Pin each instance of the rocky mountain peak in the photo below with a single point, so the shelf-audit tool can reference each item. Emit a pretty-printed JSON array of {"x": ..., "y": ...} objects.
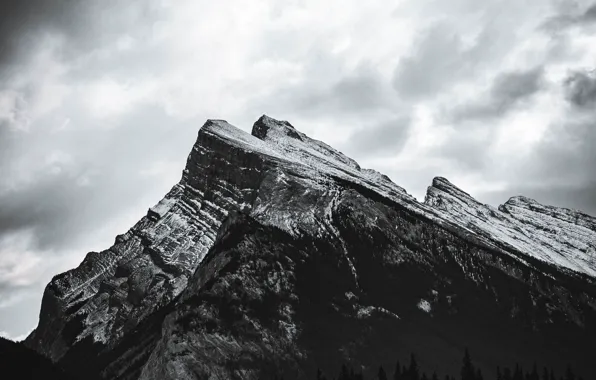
[
  {"x": 266, "y": 125},
  {"x": 555, "y": 235},
  {"x": 275, "y": 248},
  {"x": 443, "y": 184},
  {"x": 521, "y": 201},
  {"x": 442, "y": 193}
]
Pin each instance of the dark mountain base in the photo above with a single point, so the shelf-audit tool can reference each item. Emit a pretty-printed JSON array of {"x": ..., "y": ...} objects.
[
  {"x": 501, "y": 316},
  {"x": 21, "y": 363}
]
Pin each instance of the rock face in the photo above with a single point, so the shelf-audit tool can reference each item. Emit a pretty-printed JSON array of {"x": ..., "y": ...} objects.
[
  {"x": 559, "y": 236},
  {"x": 276, "y": 254}
]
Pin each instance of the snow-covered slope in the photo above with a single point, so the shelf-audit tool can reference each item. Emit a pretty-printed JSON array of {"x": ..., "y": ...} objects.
[{"x": 558, "y": 236}]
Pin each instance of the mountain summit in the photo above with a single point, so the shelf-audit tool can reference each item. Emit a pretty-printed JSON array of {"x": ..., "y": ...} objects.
[{"x": 277, "y": 254}]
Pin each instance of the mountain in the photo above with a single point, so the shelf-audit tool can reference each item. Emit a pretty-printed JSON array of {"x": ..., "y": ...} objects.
[
  {"x": 277, "y": 254},
  {"x": 20, "y": 362},
  {"x": 558, "y": 236}
]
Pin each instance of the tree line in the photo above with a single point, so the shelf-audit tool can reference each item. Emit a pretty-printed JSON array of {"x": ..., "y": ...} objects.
[{"x": 468, "y": 372}]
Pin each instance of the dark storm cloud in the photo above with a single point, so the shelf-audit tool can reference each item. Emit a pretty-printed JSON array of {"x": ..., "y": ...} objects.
[
  {"x": 68, "y": 199},
  {"x": 361, "y": 92},
  {"x": 385, "y": 139},
  {"x": 580, "y": 89},
  {"x": 475, "y": 121},
  {"x": 560, "y": 169},
  {"x": 590, "y": 14},
  {"x": 84, "y": 25},
  {"x": 20, "y": 20},
  {"x": 508, "y": 91},
  {"x": 571, "y": 16},
  {"x": 567, "y": 152},
  {"x": 465, "y": 152},
  {"x": 40, "y": 207},
  {"x": 581, "y": 198},
  {"x": 439, "y": 59},
  {"x": 434, "y": 63},
  {"x": 512, "y": 86}
]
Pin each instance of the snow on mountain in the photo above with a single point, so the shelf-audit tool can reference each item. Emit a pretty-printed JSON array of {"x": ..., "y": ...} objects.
[
  {"x": 279, "y": 178},
  {"x": 562, "y": 237}
]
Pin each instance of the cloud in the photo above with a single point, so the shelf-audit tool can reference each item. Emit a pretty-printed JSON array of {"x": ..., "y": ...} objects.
[
  {"x": 331, "y": 89},
  {"x": 84, "y": 26},
  {"x": 572, "y": 14},
  {"x": 508, "y": 91},
  {"x": 581, "y": 89},
  {"x": 581, "y": 198},
  {"x": 438, "y": 58},
  {"x": 384, "y": 139}
]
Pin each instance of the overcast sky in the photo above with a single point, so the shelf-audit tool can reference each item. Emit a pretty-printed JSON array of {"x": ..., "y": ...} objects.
[{"x": 101, "y": 101}]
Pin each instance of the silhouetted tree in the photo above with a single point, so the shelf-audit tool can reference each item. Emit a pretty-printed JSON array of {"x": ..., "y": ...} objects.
[
  {"x": 468, "y": 372},
  {"x": 343, "y": 373},
  {"x": 320, "y": 375},
  {"x": 413, "y": 370},
  {"x": 534, "y": 374},
  {"x": 507, "y": 374},
  {"x": 467, "y": 369},
  {"x": 479, "y": 374},
  {"x": 359, "y": 376},
  {"x": 569, "y": 375},
  {"x": 518, "y": 374},
  {"x": 552, "y": 375},
  {"x": 397, "y": 372}
]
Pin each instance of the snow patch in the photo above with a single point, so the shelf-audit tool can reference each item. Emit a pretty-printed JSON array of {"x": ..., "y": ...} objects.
[{"x": 424, "y": 305}]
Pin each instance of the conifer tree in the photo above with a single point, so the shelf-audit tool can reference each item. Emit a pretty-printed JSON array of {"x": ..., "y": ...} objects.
[
  {"x": 405, "y": 375},
  {"x": 413, "y": 370},
  {"x": 397, "y": 372},
  {"x": 507, "y": 374},
  {"x": 518, "y": 374},
  {"x": 534, "y": 374},
  {"x": 434, "y": 376},
  {"x": 569, "y": 375},
  {"x": 382, "y": 375},
  {"x": 320, "y": 375},
  {"x": 499, "y": 374},
  {"x": 479, "y": 374},
  {"x": 344, "y": 374},
  {"x": 359, "y": 376},
  {"x": 467, "y": 370}
]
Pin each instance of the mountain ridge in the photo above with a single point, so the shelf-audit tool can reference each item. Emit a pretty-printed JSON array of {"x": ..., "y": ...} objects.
[{"x": 280, "y": 178}]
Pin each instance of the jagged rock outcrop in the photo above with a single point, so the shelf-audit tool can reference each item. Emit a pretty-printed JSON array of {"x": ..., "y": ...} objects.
[
  {"x": 278, "y": 254},
  {"x": 558, "y": 236}
]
